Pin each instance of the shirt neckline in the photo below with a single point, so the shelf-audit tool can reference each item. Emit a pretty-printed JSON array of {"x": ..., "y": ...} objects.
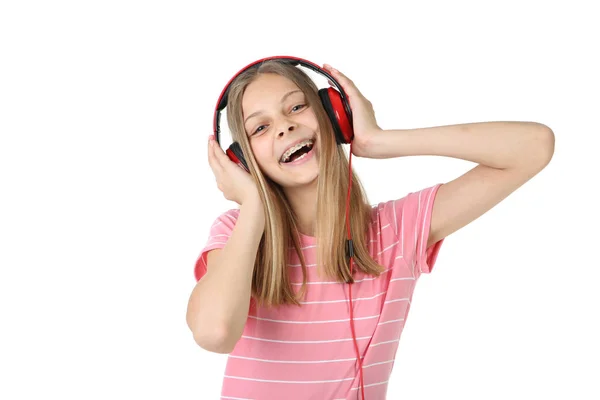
[{"x": 306, "y": 239}]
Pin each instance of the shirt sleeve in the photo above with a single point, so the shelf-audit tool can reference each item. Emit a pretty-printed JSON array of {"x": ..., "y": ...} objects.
[
  {"x": 219, "y": 234},
  {"x": 410, "y": 218}
]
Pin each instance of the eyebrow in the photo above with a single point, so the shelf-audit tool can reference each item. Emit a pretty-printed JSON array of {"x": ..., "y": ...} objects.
[{"x": 285, "y": 96}]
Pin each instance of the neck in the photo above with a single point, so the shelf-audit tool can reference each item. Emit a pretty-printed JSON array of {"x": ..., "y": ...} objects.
[{"x": 303, "y": 201}]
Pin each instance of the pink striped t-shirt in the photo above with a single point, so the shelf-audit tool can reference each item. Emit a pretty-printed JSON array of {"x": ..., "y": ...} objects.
[{"x": 307, "y": 352}]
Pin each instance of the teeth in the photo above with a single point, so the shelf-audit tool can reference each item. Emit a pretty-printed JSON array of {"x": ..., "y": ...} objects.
[{"x": 291, "y": 150}]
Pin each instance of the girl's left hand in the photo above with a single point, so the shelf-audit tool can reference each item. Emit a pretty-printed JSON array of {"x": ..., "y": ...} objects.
[{"x": 363, "y": 116}]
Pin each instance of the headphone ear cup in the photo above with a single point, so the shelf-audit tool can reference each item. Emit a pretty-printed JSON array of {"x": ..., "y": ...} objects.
[
  {"x": 334, "y": 107},
  {"x": 235, "y": 154}
]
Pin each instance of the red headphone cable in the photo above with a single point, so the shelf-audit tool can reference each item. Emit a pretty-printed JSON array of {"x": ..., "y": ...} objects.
[{"x": 350, "y": 249}]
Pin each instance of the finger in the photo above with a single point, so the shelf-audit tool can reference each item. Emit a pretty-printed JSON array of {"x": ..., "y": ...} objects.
[
  {"x": 347, "y": 84},
  {"x": 327, "y": 68},
  {"x": 220, "y": 154},
  {"x": 213, "y": 161},
  {"x": 224, "y": 161}
]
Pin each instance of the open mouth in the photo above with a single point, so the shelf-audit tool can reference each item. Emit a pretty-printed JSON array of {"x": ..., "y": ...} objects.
[{"x": 298, "y": 152}]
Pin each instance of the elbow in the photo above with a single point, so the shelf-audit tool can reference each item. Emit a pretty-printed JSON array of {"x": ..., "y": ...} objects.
[
  {"x": 545, "y": 144},
  {"x": 538, "y": 147},
  {"x": 216, "y": 342}
]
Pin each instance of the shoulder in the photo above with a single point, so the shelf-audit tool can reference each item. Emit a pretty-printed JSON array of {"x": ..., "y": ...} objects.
[
  {"x": 406, "y": 221},
  {"x": 406, "y": 211},
  {"x": 226, "y": 219},
  {"x": 219, "y": 234}
]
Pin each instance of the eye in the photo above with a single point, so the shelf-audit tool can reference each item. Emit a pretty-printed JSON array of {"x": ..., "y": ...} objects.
[
  {"x": 258, "y": 129},
  {"x": 299, "y": 105}
]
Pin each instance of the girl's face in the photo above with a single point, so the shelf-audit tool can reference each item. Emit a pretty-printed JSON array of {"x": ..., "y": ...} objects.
[{"x": 276, "y": 117}]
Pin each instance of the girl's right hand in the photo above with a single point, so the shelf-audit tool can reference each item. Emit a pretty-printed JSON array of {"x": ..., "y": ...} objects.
[{"x": 235, "y": 183}]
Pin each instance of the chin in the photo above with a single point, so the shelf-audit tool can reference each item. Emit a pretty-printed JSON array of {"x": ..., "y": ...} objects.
[
  {"x": 305, "y": 176},
  {"x": 301, "y": 181}
]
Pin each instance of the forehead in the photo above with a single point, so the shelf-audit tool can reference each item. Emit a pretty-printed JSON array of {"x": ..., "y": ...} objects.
[{"x": 266, "y": 90}]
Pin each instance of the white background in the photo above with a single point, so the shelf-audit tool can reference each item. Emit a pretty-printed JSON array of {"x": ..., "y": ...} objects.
[{"x": 107, "y": 196}]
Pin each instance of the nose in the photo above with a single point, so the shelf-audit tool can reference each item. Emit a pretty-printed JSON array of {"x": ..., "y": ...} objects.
[{"x": 290, "y": 127}]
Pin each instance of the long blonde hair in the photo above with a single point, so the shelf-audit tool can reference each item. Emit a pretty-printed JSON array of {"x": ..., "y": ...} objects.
[{"x": 271, "y": 284}]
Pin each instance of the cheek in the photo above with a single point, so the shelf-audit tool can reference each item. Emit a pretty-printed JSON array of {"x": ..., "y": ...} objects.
[
  {"x": 309, "y": 119},
  {"x": 261, "y": 154}
]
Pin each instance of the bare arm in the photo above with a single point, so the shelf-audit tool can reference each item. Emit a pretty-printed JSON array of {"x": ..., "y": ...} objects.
[{"x": 218, "y": 306}]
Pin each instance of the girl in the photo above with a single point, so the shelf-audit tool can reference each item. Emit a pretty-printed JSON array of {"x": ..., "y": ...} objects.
[{"x": 274, "y": 276}]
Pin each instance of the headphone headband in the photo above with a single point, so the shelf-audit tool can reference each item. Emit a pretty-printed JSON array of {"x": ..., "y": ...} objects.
[{"x": 222, "y": 101}]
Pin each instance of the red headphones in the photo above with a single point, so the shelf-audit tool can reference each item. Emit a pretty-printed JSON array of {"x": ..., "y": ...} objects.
[
  {"x": 339, "y": 112},
  {"x": 334, "y": 101}
]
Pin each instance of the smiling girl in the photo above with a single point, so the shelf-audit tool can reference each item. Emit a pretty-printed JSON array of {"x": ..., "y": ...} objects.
[{"x": 276, "y": 289}]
